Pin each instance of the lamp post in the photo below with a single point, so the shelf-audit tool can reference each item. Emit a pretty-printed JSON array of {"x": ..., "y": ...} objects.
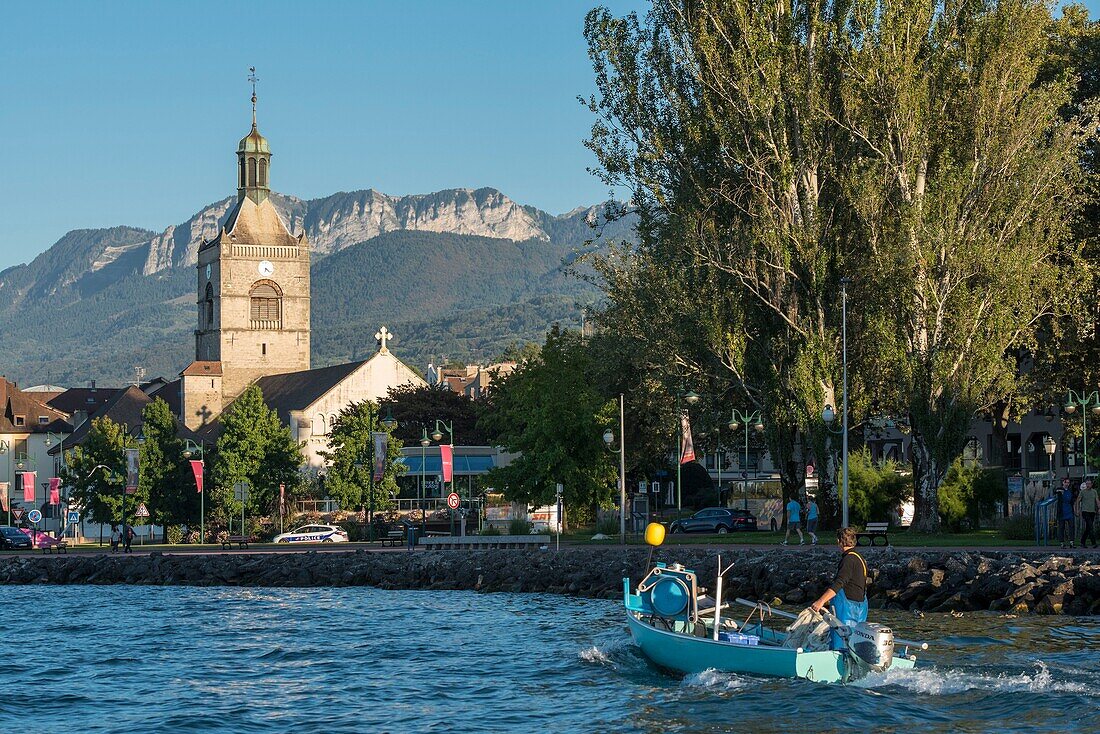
[
  {"x": 1090, "y": 401},
  {"x": 737, "y": 420},
  {"x": 422, "y": 494},
  {"x": 4, "y": 448},
  {"x": 390, "y": 424},
  {"x": 437, "y": 435},
  {"x": 844, "y": 396},
  {"x": 828, "y": 415},
  {"x": 190, "y": 448},
  {"x": 690, "y": 398},
  {"x": 1049, "y": 445},
  {"x": 609, "y": 439},
  {"x": 110, "y": 476},
  {"x": 50, "y": 436},
  {"x": 21, "y": 461}
]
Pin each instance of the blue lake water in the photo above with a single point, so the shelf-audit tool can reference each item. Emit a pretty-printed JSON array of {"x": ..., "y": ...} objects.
[{"x": 92, "y": 659}]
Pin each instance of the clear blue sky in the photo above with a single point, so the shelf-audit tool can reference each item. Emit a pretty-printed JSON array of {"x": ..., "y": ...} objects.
[{"x": 129, "y": 112}]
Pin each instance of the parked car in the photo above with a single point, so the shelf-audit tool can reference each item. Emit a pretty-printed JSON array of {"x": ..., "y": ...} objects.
[
  {"x": 314, "y": 534},
  {"x": 14, "y": 539},
  {"x": 719, "y": 520}
]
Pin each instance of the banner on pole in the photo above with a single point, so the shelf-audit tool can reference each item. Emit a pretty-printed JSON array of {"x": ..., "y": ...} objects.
[
  {"x": 687, "y": 448},
  {"x": 4, "y": 487},
  {"x": 446, "y": 457},
  {"x": 55, "y": 490},
  {"x": 131, "y": 470},
  {"x": 381, "y": 448},
  {"x": 196, "y": 469},
  {"x": 282, "y": 498},
  {"x": 29, "y": 478}
]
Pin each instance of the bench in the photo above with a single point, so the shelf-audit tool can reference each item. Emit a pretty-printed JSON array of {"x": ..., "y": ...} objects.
[
  {"x": 394, "y": 538},
  {"x": 50, "y": 544},
  {"x": 470, "y": 542},
  {"x": 241, "y": 541},
  {"x": 872, "y": 533}
]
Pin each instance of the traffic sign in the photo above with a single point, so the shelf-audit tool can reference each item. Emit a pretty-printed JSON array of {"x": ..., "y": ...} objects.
[
  {"x": 452, "y": 501},
  {"x": 73, "y": 517},
  {"x": 240, "y": 491},
  {"x": 142, "y": 511},
  {"x": 17, "y": 513},
  {"x": 34, "y": 516}
]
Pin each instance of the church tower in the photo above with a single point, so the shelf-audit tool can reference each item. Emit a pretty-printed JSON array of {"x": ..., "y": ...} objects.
[{"x": 253, "y": 294}]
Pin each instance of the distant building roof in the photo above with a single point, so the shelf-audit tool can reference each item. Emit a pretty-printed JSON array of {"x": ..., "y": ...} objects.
[
  {"x": 124, "y": 408},
  {"x": 22, "y": 412},
  {"x": 200, "y": 368},
  {"x": 86, "y": 399},
  {"x": 298, "y": 390}
]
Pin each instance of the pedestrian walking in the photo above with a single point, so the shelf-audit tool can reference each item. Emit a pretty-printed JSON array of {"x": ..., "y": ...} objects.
[
  {"x": 1087, "y": 504},
  {"x": 811, "y": 520},
  {"x": 128, "y": 539},
  {"x": 794, "y": 521},
  {"x": 1065, "y": 512},
  {"x": 114, "y": 538}
]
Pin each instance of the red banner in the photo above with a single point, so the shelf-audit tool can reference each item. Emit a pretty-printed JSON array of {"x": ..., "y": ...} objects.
[
  {"x": 55, "y": 490},
  {"x": 196, "y": 468},
  {"x": 29, "y": 478},
  {"x": 687, "y": 448},
  {"x": 446, "y": 456}
]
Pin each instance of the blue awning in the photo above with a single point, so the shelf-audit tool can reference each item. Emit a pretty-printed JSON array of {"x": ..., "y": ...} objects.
[{"x": 463, "y": 465}]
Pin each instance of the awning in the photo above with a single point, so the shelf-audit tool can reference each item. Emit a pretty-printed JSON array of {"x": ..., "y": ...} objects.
[{"x": 463, "y": 465}]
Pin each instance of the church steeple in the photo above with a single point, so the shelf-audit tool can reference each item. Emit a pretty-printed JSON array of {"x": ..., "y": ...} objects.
[{"x": 253, "y": 158}]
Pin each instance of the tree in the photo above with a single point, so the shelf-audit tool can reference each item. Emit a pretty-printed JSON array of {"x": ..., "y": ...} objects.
[
  {"x": 548, "y": 412},
  {"x": 874, "y": 489},
  {"x": 350, "y": 458},
  {"x": 95, "y": 471},
  {"x": 165, "y": 477},
  {"x": 255, "y": 448},
  {"x": 416, "y": 408}
]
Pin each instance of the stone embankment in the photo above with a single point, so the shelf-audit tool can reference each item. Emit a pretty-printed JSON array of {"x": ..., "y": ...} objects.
[{"x": 938, "y": 581}]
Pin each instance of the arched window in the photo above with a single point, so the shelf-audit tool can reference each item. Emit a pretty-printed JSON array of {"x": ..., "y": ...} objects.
[
  {"x": 208, "y": 307},
  {"x": 266, "y": 301},
  {"x": 251, "y": 171},
  {"x": 263, "y": 172},
  {"x": 319, "y": 426},
  {"x": 241, "y": 179}
]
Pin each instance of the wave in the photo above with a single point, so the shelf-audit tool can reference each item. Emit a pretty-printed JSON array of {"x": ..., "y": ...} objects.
[
  {"x": 944, "y": 682},
  {"x": 712, "y": 679}
]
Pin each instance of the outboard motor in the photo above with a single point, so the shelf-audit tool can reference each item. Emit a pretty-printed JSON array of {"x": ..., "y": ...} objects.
[{"x": 871, "y": 646}]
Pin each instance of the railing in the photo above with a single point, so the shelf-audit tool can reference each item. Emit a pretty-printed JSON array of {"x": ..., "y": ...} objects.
[
  {"x": 271, "y": 252},
  {"x": 265, "y": 325}
]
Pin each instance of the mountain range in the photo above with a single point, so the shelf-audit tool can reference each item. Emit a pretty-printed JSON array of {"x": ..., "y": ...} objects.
[{"x": 460, "y": 273}]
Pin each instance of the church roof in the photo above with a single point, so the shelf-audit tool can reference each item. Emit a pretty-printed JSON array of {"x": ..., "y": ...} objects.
[
  {"x": 298, "y": 390},
  {"x": 258, "y": 224},
  {"x": 253, "y": 142}
]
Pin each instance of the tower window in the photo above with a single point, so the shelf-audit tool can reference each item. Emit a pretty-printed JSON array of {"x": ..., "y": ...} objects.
[
  {"x": 263, "y": 349},
  {"x": 251, "y": 171},
  {"x": 208, "y": 307},
  {"x": 266, "y": 305},
  {"x": 263, "y": 172},
  {"x": 242, "y": 178}
]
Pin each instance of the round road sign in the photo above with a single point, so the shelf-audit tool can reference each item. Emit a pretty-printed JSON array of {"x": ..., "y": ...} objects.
[
  {"x": 34, "y": 516},
  {"x": 452, "y": 501}
]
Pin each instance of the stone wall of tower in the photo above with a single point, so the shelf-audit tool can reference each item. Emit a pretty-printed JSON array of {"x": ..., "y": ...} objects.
[
  {"x": 201, "y": 399},
  {"x": 208, "y": 347},
  {"x": 249, "y": 350}
]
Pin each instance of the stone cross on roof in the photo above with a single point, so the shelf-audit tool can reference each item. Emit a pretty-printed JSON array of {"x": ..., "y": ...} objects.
[{"x": 383, "y": 336}]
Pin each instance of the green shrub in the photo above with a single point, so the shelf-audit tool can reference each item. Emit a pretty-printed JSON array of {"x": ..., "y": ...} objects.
[
  {"x": 174, "y": 534},
  {"x": 490, "y": 530},
  {"x": 519, "y": 526},
  {"x": 608, "y": 526},
  {"x": 968, "y": 492},
  {"x": 1018, "y": 527},
  {"x": 874, "y": 490}
]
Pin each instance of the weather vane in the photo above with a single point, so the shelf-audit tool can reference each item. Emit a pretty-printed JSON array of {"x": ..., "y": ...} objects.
[{"x": 253, "y": 78}]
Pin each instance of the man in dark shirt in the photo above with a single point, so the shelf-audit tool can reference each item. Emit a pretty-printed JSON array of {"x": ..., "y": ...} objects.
[{"x": 848, "y": 591}]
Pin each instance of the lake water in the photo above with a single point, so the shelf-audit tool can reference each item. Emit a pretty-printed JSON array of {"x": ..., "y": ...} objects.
[{"x": 91, "y": 659}]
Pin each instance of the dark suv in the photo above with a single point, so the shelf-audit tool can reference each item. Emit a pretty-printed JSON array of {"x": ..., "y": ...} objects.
[
  {"x": 719, "y": 520},
  {"x": 14, "y": 538}
]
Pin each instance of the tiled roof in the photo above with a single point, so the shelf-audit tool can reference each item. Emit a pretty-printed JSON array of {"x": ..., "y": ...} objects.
[
  {"x": 299, "y": 390},
  {"x": 200, "y": 368},
  {"x": 87, "y": 399},
  {"x": 17, "y": 405}
]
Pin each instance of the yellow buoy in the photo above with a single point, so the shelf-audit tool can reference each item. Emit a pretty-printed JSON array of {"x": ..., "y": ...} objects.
[{"x": 655, "y": 534}]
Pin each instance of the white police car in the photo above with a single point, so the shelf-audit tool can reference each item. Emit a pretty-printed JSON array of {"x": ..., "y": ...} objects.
[{"x": 314, "y": 534}]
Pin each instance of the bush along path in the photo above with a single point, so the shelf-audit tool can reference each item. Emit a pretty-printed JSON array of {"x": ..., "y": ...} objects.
[{"x": 936, "y": 581}]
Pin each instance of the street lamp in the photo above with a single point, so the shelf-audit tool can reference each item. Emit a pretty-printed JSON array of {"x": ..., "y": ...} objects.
[
  {"x": 437, "y": 435},
  {"x": 737, "y": 420},
  {"x": 190, "y": 448},
  {"x": 1049, "y": 445},
  {"x": 1087, "y": 402},
  {"x": 828, "y": 415},
  {"x": 422, "y": 494},
  {"x": 690, "y": 398},
  {"x": 609, "y": 439},
  {"x": 4, "y": 447},
  {"x": 844, "y": 397}
]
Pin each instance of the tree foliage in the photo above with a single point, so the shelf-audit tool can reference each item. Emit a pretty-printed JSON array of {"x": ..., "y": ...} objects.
[
  {"x": 350, "y": 458},
  {"x": 95, "y": 472},
  {"x": 165, "y": 477},
  {"x": 548, "y": 411},
  {"x": 417, "y": 408}
]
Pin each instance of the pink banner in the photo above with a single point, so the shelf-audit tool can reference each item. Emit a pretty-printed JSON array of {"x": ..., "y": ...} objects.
[
  {"x": 4, "y": 487},
  {"x": 196, "y": 468},
  {"x": 55, "y": 490},
  {"x": 29, "y": 478},
  {"x": 446, "y": 455},
  {"x": 687, "y": 448}
]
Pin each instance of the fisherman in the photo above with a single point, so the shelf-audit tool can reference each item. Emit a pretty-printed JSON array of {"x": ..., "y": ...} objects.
[{"x": 848, "y": 591}]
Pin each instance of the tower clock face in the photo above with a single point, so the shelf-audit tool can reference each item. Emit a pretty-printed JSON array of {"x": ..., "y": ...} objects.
[{"x": 266, "y": 268}]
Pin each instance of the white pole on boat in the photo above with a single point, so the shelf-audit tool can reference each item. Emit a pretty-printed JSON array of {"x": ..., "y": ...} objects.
[{"x": 718, "y": 597}]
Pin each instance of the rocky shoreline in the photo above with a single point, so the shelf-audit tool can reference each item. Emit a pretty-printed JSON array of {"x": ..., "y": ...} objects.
[{"x": 919, "y": 580}]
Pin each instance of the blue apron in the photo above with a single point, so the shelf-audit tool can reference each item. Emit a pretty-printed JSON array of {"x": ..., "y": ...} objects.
[{"x": 848, "y": 612}]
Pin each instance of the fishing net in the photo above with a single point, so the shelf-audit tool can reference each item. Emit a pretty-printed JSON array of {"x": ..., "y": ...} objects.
[{"x": 809, "y": 631}]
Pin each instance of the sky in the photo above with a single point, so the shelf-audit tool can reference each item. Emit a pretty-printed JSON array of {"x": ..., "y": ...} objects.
[{"x": 129, "y": 112}]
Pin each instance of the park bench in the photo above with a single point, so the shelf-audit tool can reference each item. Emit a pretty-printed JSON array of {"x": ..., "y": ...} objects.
[
  {"x": 872, "y": 533},
  {"x": 50, "y": 544},
  {"x": 241, "y": 541},
  {"x": 393, "y": 538}
]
